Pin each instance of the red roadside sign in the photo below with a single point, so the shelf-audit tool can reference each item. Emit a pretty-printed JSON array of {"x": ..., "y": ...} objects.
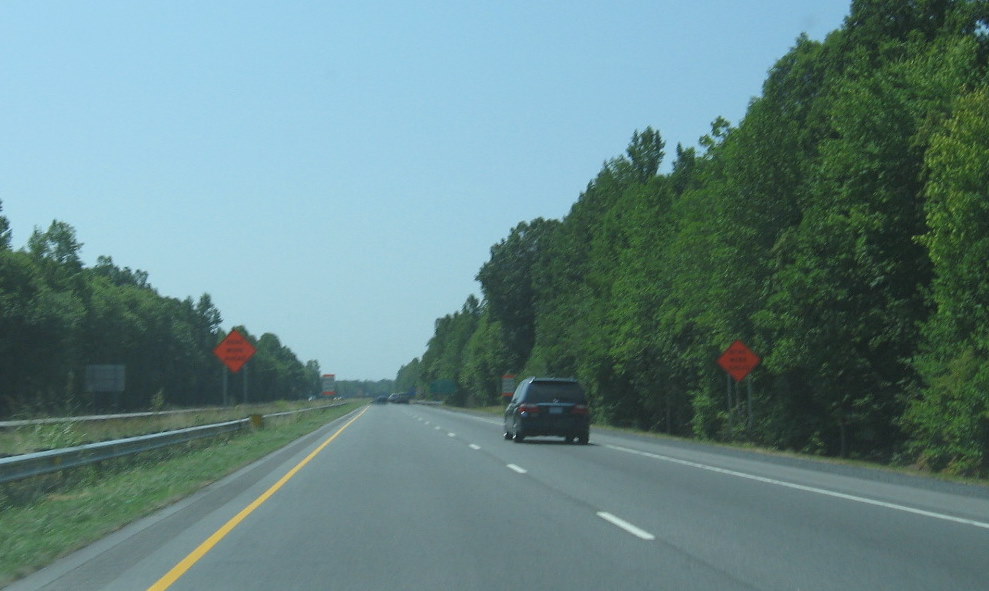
[
  {"x": 234, "y": 351},
  {"x": 738, "y": 360}
]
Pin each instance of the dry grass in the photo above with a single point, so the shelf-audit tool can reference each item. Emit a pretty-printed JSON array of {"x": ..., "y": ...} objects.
[{"x": 40, "y": 437}]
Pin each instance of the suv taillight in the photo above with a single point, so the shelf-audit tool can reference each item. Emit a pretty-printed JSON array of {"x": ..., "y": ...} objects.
[
  {"x": 529, "y": 408},
  {"x": 579, "y": 409}
]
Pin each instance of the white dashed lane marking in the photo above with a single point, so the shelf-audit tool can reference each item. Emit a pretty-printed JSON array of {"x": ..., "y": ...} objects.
[{"x": 635, "y": 531}]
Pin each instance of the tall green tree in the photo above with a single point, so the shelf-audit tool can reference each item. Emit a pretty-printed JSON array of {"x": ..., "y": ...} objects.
[
  {"x": 851, "y": 295},
  {"x": 5, "y": 235},
  {"x": 38, "y": 336},
  {"x": 443, "y": 362},
  {"x": 508, "y": 284},
  {"x": 409, "y": 377},
  {"x": 486, "y": 359},
  {"x": 57, "y": 245},
  {"x": 949, "y": 423}
]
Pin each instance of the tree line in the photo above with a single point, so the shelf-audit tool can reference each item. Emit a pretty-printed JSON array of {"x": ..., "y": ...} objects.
[
  {"x": 840, "y": 229},
  {"x": 364, "y": 388},
  {"x": 58, "y": 316}
]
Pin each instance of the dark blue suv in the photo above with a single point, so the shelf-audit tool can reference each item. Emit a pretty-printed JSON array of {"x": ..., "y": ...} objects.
[{"x": 548, "y": 406}]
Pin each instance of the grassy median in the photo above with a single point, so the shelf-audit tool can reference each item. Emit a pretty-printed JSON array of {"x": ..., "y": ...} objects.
[{"x": 37, "y": 529}]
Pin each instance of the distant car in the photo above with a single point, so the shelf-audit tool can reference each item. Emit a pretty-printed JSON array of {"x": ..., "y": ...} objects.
[
  {"x": 548, "y": 406},
  {"x": 381, "y": 399},
  {"x": 399, "y": 398}
]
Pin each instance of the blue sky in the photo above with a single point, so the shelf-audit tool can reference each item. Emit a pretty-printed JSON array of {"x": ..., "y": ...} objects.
[{"x": 336, "y": 172}]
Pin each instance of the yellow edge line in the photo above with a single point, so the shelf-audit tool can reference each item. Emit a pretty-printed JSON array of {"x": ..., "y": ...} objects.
[{"x": 182, "y": 567}]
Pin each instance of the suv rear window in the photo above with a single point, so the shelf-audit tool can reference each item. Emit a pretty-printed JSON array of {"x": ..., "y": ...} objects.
[{"x": 554, "y": 392}]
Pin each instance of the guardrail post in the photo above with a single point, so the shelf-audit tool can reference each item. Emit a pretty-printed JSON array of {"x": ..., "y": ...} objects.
[{"x": 257, "y": 421}]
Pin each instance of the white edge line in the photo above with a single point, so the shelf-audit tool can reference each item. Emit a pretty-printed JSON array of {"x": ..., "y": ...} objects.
[
  {"x": 635, "y": 531},
  {"x": 518, "y": 469},
  {"x": 811, "y": 489}
]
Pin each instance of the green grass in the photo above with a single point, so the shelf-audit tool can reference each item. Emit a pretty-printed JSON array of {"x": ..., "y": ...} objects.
[
  {"x": 491, "y": 410},
  {"x": 52, "y": 524}
]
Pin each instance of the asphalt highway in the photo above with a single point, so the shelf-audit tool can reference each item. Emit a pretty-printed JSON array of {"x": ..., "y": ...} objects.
[{"x": 414, "y": 497}]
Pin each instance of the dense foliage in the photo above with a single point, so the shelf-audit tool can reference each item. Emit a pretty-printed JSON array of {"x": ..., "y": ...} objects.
[
  {"x": 57, "y": 317},
  {"x": 840, "y": 230}
]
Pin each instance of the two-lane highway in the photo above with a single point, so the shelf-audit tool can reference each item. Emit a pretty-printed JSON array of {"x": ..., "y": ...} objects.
[{"x": 415, "y": 497}]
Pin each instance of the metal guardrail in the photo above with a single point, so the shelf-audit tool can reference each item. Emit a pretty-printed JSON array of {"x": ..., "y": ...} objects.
[
  {"x": 112, "y": 417},
  {"x": 23, "y": 466},
  {"x": 54, "y": 460}
]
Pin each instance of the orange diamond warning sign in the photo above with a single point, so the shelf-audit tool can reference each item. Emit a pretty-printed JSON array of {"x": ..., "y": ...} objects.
[
  {"x": 738, "y": 360},
  {"x": 234, "y": 351}
]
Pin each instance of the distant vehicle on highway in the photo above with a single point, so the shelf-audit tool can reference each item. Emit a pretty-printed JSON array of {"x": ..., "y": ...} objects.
[
  {"x": 399, "y": 398},
  {"x": 381, "y": 399},
  {"x": 548, "y": 406}
]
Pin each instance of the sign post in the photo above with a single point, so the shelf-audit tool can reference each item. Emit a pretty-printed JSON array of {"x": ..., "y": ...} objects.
[
  {"x": 234, "y": 351},
  {"x": 738, "y": 361}
]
